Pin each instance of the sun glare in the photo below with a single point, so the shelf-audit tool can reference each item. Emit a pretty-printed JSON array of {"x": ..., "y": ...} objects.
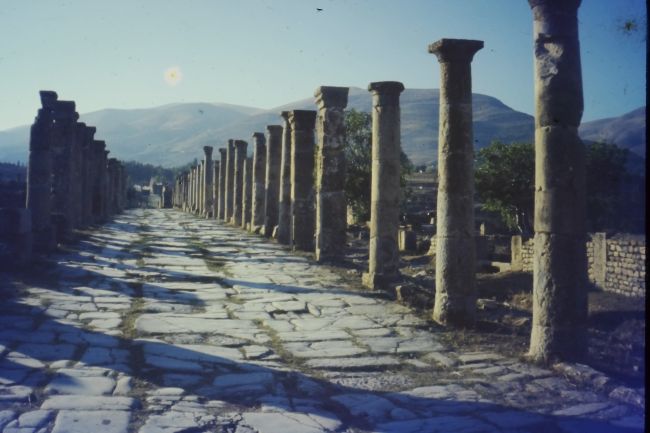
[{"x": 173, "y": 75}]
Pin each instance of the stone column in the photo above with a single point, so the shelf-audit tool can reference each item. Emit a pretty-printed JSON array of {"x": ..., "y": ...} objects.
[
  {"x": 61, "y": 152},
  {"x": 200, "y": 188},
  {"x": 39, "y": 176},
  {"x": 258, "y": 194},
  {"x": 238, "y": 194},
  {"x": 284, "y": 202},
  {"x": 215, "y": 188},
  {"x": 208, "y": 171},
  {"x": 88, "y": 175},
  {"x": 230, "y": 178},
  {"x": 223, "y": 166},
  {"x": 383, "y": 258},
  {"x": 247, "y": 199},
  {"x": 104, "y": 182},
  {"x": 302, "y": 179},
  {"x": 272, "y": 178},
  {"x": 455, "y": 301},
  {"x": 331, "y": 207},
  {"x": 560, "y": 262}
]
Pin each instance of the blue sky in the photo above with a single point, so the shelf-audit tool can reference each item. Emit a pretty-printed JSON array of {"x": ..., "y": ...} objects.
[{"x": 265, "y": 53}]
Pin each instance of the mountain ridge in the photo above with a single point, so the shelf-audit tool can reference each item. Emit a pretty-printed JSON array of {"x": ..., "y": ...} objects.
[{"x": 173, "y": 134}]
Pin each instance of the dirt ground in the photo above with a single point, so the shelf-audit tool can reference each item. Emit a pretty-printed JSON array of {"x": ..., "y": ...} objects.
[{"x": 616, "y": 323}]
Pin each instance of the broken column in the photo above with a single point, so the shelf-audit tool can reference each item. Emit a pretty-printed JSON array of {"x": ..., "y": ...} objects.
[
  {"x": 272, "y": 178},
  {"x": 238, "y": 183},
  {"x": 455, "y": 300},
  {"x": 560, "y": 261},
  {"x": 230, "y": 177},
  {"x": 302, "y": 178},
  {"x": 331, "y": 206},
  {"x": 39, "y": 176},
  {"x": 383, "y": 258},
  {"x": 208, "y": 172},
  {"x": 247, "y": 199},
  {"x": 284, "y": 200},
  {"x": 258, "y": 176}
]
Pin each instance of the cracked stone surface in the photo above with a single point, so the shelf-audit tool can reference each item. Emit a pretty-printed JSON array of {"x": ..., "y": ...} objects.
[{"x": 163, "y": 322}]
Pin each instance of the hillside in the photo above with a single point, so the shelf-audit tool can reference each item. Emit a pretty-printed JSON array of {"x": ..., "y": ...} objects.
[{"x": 174, "y": 134}]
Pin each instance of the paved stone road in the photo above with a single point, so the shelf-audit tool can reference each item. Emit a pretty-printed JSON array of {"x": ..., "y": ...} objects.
[{"x": 161, "y": 322}]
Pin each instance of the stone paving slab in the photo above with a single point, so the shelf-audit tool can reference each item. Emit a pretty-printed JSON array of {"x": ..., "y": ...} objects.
[{"x": 163, "y": 322}]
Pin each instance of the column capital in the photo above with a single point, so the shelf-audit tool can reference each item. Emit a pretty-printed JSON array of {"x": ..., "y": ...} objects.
[
  {"x": 455, "y": 50},
  {"x": 48, "y": 98},
  {"x": 222, "y": 151},
  {"x": 207, "y": 150},
  {"x": 274, "y": 129},
  {"x": 285, "y": 115},
  {"x": 331, "y": 96},
  {"x": 386, "y": 92},
  {"x": 258, "y": 137},
  {"x": 560, "y": 5},
  {"x": 241, "y": 144},
  {"x": 302, "y": 119}
]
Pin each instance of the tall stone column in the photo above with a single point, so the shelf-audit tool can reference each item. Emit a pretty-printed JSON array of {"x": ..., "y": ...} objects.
[
  {"x": 455, "y": 300},
  {"x": 39, "y": 177},
  {"x": 284, "y": 201},
  {"x": 331, "y": 207},
  {"x": 258, "y": 176},
  {"x": 272, "y": 178},
  {"x": 560, "y": 263},
  {"x": 215, "y": 188},
  {"x": 230, "y": 178},
  {"x": 61, "y": 151},
  {"x": 302, "y": 179},
  {"x": 88, "y": 168},
  {"x": 223, "y": 166},
  {"x": 200, "y": 188},
  {"x": 192, "y": 189},
  {"x": 383, "y": 258},
  {"x": 238, "y": 193},
  {"x": 104, "y": 183},
  {"x": 208, "y": 171},
  {"x": 247, "y": 199}
]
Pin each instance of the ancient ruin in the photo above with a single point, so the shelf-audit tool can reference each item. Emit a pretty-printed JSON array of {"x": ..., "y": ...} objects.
[
  {"x": 302, "y": 179},
  {"x": 284, "y": 204},
  {"x": 272, "y": 178},
  {"x": 331, "y": 206},
  {"x": 560, "y": 263},
  {"x": 383, "y": 261},
  {"x": 258, "y": 175},
  {"x": 455, "y": 301}
]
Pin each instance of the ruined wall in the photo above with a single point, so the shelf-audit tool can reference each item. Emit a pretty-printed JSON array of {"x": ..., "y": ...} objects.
[
  {"x": 616, "y": 264},
  {"x": 625, "y": 266}
]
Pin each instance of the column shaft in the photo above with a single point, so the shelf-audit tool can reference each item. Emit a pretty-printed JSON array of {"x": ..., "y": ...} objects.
[
  {"x": 272, "y": 178},
  {"x": 383, "y": 257},
  {"x": 284, "y": 201},
  {"x": 259, "y": 173}
]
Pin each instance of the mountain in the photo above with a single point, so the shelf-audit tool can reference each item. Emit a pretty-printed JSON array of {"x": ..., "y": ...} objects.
[
  {"x": 626, "y": 131},
  {"x": 172, "y": 135}
]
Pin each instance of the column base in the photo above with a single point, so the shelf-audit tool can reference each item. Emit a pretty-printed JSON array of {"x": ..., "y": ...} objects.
[{"x": 376, "y": 281}]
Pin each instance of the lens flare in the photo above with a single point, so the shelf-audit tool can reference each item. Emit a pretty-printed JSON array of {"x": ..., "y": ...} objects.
[{"x": 173, "y": 75}]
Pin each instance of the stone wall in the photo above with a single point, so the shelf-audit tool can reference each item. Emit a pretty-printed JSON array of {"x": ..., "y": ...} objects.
[{"x": 616, "y": 264}]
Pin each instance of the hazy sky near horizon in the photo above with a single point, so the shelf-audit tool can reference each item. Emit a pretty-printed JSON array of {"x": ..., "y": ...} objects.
[{"x": 265, "y": 53}]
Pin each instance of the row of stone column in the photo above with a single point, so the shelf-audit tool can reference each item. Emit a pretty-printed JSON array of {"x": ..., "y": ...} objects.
[
  {"x": 294, "y": 184},
  {"x": 71, "y": 182},
  {"x": 275, "y": 192}
]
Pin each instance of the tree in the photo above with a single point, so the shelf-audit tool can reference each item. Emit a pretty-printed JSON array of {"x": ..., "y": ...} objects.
[
  {"x": 358, "y": 154},
  {"x": 505, "y": 176},
  {"x": 505, "y": 183}
]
